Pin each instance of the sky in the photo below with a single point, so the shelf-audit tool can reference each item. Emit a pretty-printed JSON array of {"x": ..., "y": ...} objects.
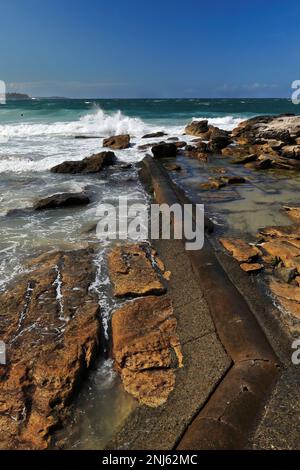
[{"x": 142, "y": 49}]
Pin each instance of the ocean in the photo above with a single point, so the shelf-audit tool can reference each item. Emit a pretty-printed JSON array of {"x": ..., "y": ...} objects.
[{"x": 37, "y": 134}]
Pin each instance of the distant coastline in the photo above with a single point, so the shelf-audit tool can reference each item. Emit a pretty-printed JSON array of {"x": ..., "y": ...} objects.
[{"x": 17, "y": 96}]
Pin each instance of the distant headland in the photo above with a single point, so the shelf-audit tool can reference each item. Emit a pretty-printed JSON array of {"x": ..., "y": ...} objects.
[{"x": 17, "y": 96}]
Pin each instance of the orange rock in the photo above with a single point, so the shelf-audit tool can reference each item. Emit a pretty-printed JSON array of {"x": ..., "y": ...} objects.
[
  {"x": 286, "y": 231},
  {"x": 288, "y": 296},
  {"x": 50, "y": 324},
  {"x": 293, "y": 213},
  {"x": 287, "y": 291},
  {"x": 251, "y": 267},
  {"x": 240, "y": 250},
  {"x": 117, "y": 141},
  {"x": 146, "y": 348},
  {"x": 284, "y": 251},
  {"x": 132, "y": 272}
]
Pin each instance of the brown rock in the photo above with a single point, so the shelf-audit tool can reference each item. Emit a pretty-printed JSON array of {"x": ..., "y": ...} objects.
[
  {"x": 285, "y": 274},
  {"x": 291, "y": 151},
  {"x": 50, "y": 325},
  {"x": 219, "y": 139},
  {"x": 246, "y": 159},
  {"x": 263, "y": 163},
  {"x": 286, "y": 231},
  {"x": 196, "y": 152},
  {"x": 284, "y": 251},
  {"x": 92, "y": 164},
  {"x": 216, "y": 183},
  {"x": 251, "y": 267},
  {"x": 164, "y": 150},
  {"x": 132, "y": 272},
  {"x": 240, "y": 250},
  {"x": 236, "y": 151},
  {"x": 117, "y": 142},
  {"x": 173, "y": 167},
  {"x": 180, "y": 144},
  {"x": 154, "y": 134},
  {"x": 293, "y": 213},
  {"x": 233, "y": 179},
  {"x": 146, "y": 348},
  {"x": 62, "y": 200},
  {"x": 197, "y": 127},
  {"x": 284, "y": 290}
]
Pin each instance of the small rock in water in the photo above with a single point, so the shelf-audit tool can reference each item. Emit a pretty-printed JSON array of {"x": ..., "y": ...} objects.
[
  {"x": 62, "y": 200},
  {"x": 117, "y": 142},
  {"x": 92, "y": 164},
  {"x": 173, "y": 167},
  {"x": 164, "y": 150},
  {"x": 154, "y": 134}
]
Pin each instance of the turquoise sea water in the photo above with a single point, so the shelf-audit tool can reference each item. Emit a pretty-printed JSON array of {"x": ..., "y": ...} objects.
[{"x": 40, "y": 133}]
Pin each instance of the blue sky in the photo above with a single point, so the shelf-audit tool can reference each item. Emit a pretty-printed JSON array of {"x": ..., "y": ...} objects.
[{"x": 162, "y": 48}]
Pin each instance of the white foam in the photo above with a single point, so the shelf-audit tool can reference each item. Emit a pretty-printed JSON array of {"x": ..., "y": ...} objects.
[
  {"x": 225, "y": 122},
  {"x": 95, "y": 123}
]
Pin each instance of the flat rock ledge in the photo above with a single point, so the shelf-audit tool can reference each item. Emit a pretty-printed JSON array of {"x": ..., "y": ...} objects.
[
  {"x": 50, "y": 324},
  {"x": 146, "y": 347},
  {"x": 132, "y": 271}
]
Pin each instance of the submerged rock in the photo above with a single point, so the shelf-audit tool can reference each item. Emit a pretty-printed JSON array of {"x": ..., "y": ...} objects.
[
  {"x": 50, "y": 325},
  {"x": 154, "y": 134},
  {"x": 132, "y": 272},
  {"x": 117, "y": 142},
  {"x": 62, "y": 200},
  {"x": 173, "y": 167},
  {"x": 146, "y": 348},
  {"x": 92, "y": 164},
  {"x": 245, "y": 159}
]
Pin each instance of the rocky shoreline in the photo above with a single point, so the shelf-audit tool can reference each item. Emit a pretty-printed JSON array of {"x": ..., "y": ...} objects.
[{"x": 51, "y": 314}]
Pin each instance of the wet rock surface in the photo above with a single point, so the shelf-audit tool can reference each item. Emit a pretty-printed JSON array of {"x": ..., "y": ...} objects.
[
  {"x": 50, "y": 325},
  {"x": 92, "y": 164},
  {"x": 62, "y": 200}
]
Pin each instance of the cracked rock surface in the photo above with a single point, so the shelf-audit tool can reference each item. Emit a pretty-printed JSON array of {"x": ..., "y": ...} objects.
[{"x": 50, "y": 324}]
